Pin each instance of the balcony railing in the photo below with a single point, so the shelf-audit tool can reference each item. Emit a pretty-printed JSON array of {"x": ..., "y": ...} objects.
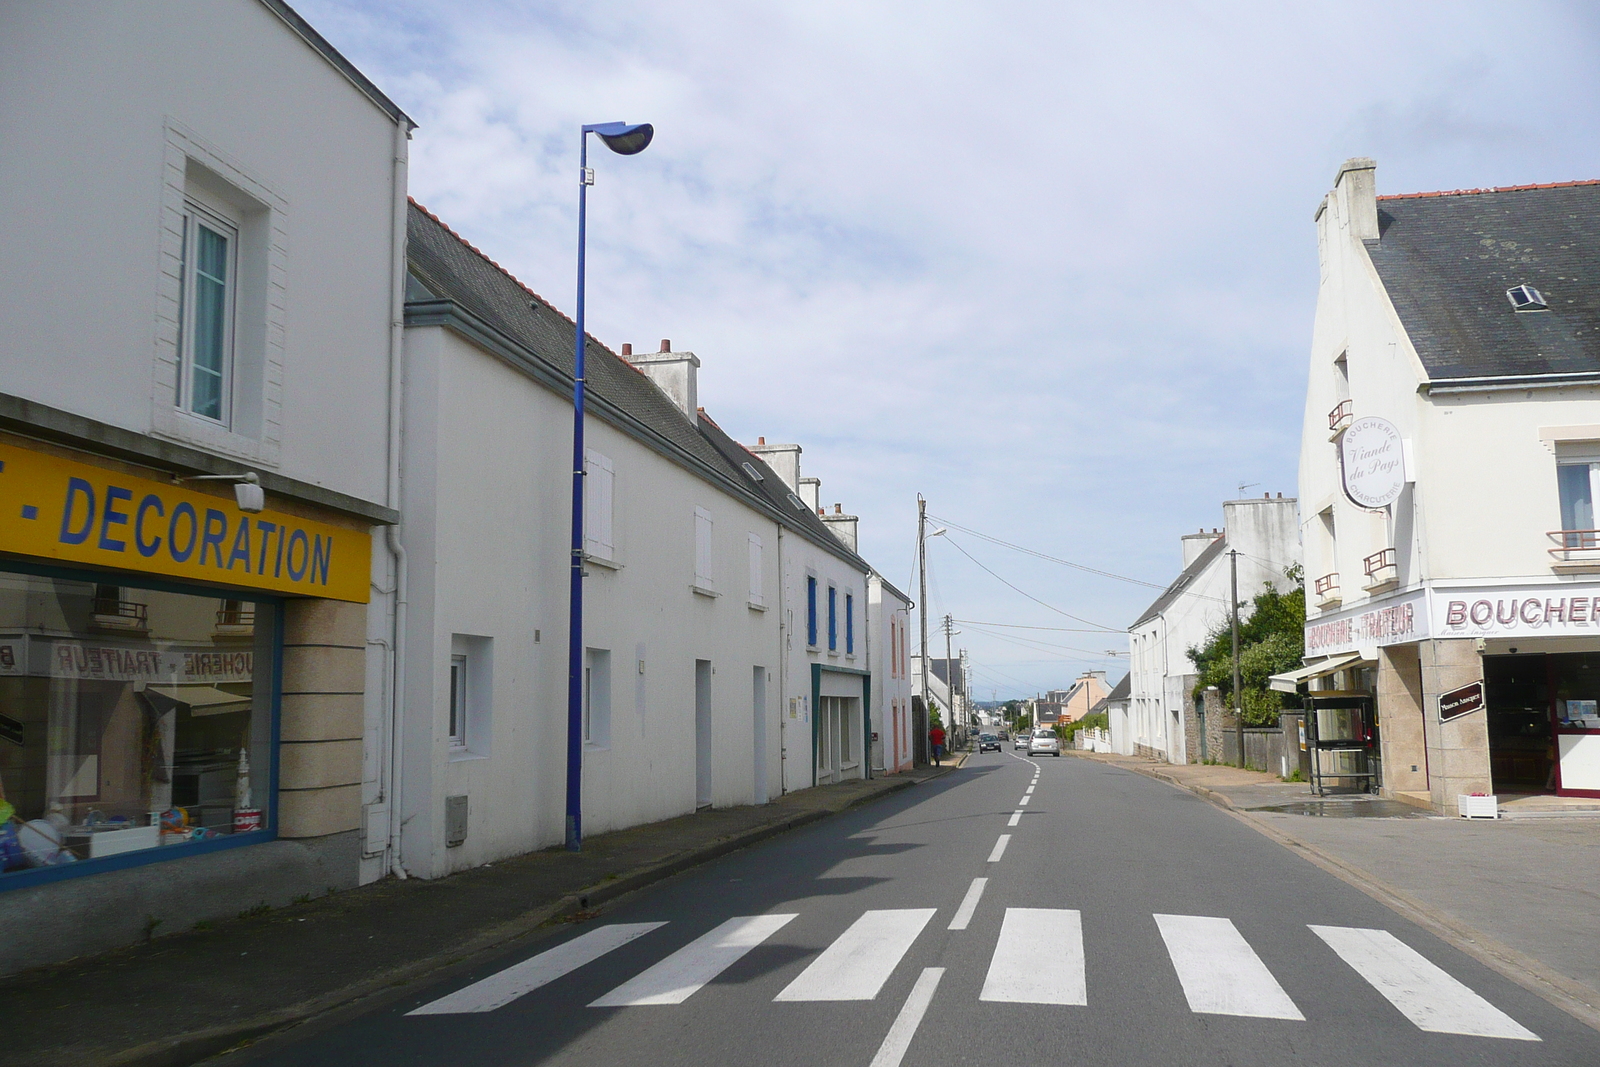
[
  {"x": 1328, "y": 583},
  {"x": 1575, "y": 546},
  {"x": 119, "y": 614},
  {"x": 1378, "y": 561},
  {"x": 1340, "y": 416}
]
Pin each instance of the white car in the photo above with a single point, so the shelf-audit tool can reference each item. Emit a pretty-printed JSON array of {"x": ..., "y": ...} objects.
[
  {"x": 1043, "y": 743},
  {"x": 1021, "y": 741}
]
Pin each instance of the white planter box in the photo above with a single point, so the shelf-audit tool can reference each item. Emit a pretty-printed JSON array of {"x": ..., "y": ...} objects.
[{"x": 1478, "y": 807}]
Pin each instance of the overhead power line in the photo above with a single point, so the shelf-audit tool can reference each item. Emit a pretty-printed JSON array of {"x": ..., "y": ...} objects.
[
  {"x": 957, "y": 546},
  {"x": 1045, "y": 556}
]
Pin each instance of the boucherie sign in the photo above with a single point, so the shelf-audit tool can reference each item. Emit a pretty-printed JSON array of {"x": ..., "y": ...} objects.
[
  {"x": 1372, "y": 462},
  {"x": 1526, "y": 612}
]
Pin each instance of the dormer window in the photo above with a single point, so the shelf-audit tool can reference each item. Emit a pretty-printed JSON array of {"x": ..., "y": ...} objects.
[{"x": 1526, "y": 298}]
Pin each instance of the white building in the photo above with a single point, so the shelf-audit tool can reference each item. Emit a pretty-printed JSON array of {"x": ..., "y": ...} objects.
[
  {"x": 726, "y": 626},
  {"x": 204, "y": 224},
  {"x": 1162, "y": 720},
  {"x": 1453, "y": 566},
  {"x": 889, "y": 615}
]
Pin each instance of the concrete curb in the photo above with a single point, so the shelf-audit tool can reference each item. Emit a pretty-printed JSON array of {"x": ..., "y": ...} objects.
[
  {"x": 185, "y": 1050},
  {"x": 1571, "y": 996}
]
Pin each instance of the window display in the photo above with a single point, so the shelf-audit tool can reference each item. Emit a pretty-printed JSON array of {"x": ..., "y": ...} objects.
[{"x": 131, "y": 719}]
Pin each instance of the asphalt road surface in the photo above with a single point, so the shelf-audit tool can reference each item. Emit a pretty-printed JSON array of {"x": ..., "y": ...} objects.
[{"x": 1056, "y": 911}]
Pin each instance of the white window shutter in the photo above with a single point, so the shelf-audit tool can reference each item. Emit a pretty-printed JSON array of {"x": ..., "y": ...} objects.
[
  {"x": 755, "y": 569},
  {"x": 599, "y": 485},
  {"x": 702, "y": 548}
]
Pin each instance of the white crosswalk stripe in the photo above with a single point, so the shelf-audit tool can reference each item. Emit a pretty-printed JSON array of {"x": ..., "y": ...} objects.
[
  {"x": 679, "y": 976},
  {"x": 1038, "y": 959},
  {"x": 861, "y": 959},
  {"x": 522, "y": 978},
  {"x": 1220, "y": 973},
  {"x": 1421, "y": 990}
]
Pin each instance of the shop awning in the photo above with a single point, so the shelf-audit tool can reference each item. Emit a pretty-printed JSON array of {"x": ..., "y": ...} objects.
[
  {"x": 1291, "y": 681},
  {"x": 201, "y": 699}
]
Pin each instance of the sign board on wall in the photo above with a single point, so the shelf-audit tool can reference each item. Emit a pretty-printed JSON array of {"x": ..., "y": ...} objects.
[
  {"x": 1459, "y": 702},
  {"x": 1386, "y": 623},
  {"x": 1372, "y": 462},
  {"x": 71, "y": 512}
]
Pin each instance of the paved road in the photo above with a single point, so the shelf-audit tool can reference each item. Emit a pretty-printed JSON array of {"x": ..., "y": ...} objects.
[{"x": 1012, "y": 912}]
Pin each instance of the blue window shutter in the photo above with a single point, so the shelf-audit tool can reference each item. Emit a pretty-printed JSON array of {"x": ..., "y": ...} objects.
[
  {"x": 833, "y": 619},
  {"x": 811, "y": 611},
  {"x": 850, "y": 624}
]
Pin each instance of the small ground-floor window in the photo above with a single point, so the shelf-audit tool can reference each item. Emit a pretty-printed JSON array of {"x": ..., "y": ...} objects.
[{"x": 135, "y": 722}]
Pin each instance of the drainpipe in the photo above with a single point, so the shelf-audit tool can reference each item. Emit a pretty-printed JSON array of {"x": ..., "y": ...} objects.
[{"x": 397, "y": 327}]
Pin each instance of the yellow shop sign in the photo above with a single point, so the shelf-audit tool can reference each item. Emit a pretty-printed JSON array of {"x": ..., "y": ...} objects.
[{"x": 78, "y": 513}]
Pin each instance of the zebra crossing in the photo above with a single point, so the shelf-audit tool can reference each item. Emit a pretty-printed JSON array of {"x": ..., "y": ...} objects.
[{"x": 1038, "y": 958}]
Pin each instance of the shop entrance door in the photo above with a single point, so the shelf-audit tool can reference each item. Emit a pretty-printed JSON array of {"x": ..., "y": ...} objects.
[
  {"x": 1342, "y": 738},
  {"x": 1517, "y": 696}
]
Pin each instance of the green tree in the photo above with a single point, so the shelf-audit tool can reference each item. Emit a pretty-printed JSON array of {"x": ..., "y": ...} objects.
[{"x": 1271, "y": 641}]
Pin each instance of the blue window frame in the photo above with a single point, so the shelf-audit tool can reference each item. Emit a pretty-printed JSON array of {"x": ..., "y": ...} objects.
[
  {"x": 850, "y": 624},
  {"x": 811, "y": 611},
  {"x": 833, "y": 619}
]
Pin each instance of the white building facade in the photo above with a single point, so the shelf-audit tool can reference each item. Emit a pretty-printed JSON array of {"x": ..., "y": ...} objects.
[
  {"x": 889, "y": 614},
  {"x": 726, "y": 627},
  {"x": 1452, "y": 424},
  {"x": 1162, "y": 720},
  {"x": 188, "y": 669}
]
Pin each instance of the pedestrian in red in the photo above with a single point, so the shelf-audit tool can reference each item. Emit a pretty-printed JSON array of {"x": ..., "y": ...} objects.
[{"x": 936, "y": 739}]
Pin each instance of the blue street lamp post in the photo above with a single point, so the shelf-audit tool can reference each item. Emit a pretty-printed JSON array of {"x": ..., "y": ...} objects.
[{"x": 624, "y": 139}]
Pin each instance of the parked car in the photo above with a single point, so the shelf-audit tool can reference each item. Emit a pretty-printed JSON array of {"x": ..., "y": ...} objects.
[
  {"x": 1044, "y": 743},
  {"x": 988, "y": 741}
]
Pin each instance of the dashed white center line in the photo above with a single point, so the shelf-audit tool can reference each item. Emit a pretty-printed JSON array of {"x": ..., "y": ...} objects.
[
  {"x": 1031, "y": 788},
  {"x": 969, "y": 904},
  {"x": 1000, "y": 847},
  {"x": 1016, "y": 817},
  {"x": 895, "y": 1043},
  {"x": 1024, "y": 800}
]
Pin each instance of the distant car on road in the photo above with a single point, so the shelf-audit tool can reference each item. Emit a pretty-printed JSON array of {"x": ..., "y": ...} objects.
[
  {"x": 1044, "y": 742},
  {"x": 1021, "y": 741},
  {"x": 988, "y": 741}
]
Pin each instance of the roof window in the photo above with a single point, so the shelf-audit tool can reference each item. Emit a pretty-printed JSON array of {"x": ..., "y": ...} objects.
[
  {"x": 1526, "y": 298},
  {"x": 750, "y": 469},
  {"x": 800, "y": 505}
]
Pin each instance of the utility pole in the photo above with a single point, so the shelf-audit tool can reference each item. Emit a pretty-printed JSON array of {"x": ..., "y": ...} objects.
[
  {"x": 1238, "y": 697},
  {"x": 922, "y": 593},
  {"x": 949, "y": 671}
]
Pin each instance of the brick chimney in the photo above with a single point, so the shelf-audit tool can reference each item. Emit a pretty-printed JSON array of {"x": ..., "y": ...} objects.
[{"x": 674, "y": 373}]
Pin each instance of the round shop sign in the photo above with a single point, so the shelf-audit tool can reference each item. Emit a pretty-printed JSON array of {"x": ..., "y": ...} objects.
[{"x": 1370, "y": 457}]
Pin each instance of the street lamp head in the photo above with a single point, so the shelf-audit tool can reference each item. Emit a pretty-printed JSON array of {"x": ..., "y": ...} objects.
[
  {"x": 940, "y": 532},
  {"x": 625, "y": 139}
]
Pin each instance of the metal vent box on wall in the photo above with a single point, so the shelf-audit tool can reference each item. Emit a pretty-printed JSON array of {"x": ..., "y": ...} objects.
[{"x": 455, "y": 821}]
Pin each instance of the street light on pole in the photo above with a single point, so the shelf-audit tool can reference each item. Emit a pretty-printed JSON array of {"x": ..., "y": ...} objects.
[{"x": 625, "y": 139}]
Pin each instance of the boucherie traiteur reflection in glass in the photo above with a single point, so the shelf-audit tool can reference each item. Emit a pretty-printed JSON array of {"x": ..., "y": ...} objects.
[{"x": 128, "y": 719}]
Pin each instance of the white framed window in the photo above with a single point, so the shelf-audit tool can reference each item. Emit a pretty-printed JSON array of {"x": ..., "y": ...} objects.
[
  {"x": 458, "y": 701},
  {"x": 207, "y": 304},
  {"x": 704, "y": 525},
  {"x": 757, "y": 569},
  {"x": 470, "y": 684},
  {"x": 599, "y": 496},
  {"x": 597, "y": 697},
  {"x": 1575, "y": 483}
]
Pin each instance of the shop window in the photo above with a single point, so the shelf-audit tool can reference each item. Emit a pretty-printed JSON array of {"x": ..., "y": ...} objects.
[{"x": 128, "y": 724}]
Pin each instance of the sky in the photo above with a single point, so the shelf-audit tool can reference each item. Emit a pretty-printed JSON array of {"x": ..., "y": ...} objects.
[{"x": 1050, "y": 265}]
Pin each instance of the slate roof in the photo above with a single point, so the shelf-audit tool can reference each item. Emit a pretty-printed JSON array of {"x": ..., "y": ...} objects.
[
  {"x": 1181, "y": 582},
  {"x": 1447, "y": 260},
  {"x": 448, "y": 268}
]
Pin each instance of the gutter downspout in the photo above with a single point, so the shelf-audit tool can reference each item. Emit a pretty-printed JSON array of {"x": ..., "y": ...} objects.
[{"x": 397, "y": 325}]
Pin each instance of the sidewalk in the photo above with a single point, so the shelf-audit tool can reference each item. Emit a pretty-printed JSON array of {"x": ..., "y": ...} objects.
[
  {"x": 181, "y": 998},
  {"x": 1519, "y": 895}
]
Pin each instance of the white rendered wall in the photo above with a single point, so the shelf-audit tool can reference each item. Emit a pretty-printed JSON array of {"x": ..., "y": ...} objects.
[
  {"x": 488, "y": 452},
  {"x": 92, "y": 98},
  {"x": 891, "y": 681}
]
